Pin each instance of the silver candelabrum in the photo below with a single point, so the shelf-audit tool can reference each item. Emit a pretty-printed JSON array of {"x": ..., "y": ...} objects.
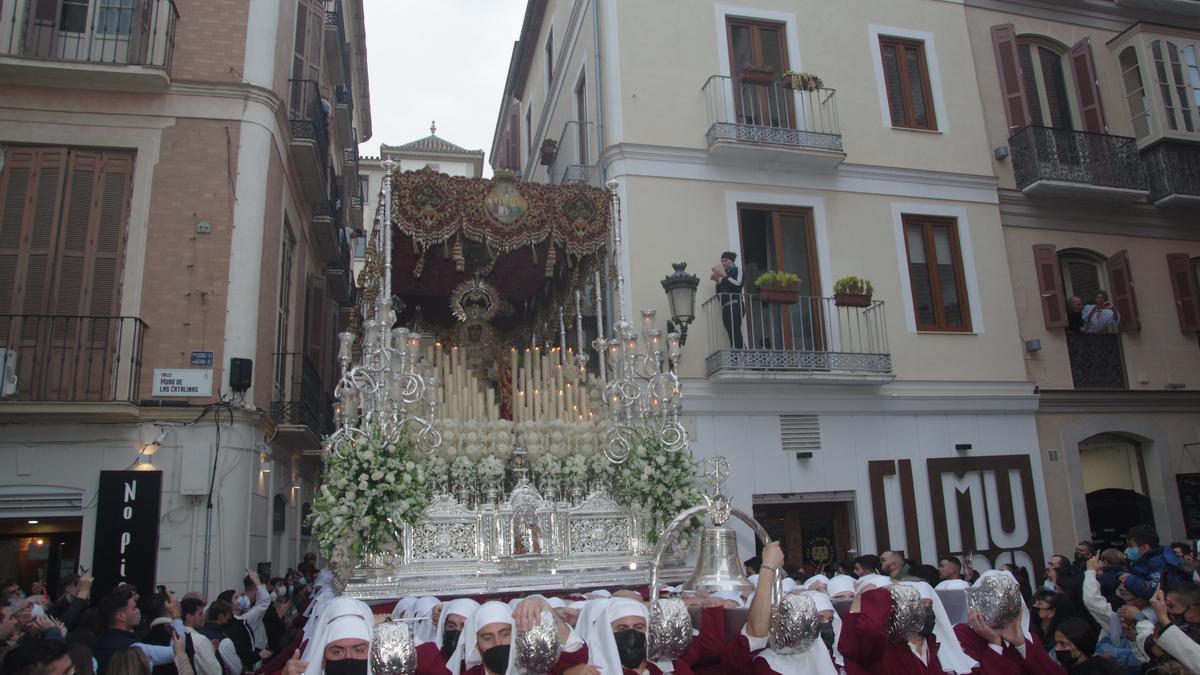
[
  {"x": 641, "y": 382},
  {"x": 385, "y": 393}
]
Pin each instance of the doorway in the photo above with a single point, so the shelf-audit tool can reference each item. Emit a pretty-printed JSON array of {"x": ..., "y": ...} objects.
[
  {"x": 783, "y": 239},
  {"x": 39, "y": 550},
  {"x": 813, "y": 533},
  {"x": 1115, "y": 487}
]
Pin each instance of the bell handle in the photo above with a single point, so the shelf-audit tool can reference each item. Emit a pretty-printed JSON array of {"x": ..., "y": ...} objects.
[
  {"x": 669, "y": 533},
  {"x": 678, "y": 521}
]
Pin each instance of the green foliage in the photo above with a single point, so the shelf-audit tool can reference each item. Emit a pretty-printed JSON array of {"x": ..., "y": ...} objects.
[
  {"x": 775, "y": 280},
  {"x": 853, "y": 285}
]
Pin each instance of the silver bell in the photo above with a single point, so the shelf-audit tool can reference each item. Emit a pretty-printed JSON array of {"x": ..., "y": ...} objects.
[
  {"x": 719, "y": 568},
  {"x": 393, "y": 651},
  {"x": 669, "y": 631}
]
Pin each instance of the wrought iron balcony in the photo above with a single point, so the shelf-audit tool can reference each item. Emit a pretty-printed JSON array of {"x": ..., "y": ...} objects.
[
  {"x": 338, "y": 273},
  {"x": 51, "y": 358},
  {"x": 1096, "y": 360},
  {"x": 762, "y": 121},
  {"x": 301, "y": 409},
  {"x": 1173, "y": 169},
  {"x": 128, "y": 44},
  {"x": 308, "y": 118},
  {"x": 574, "y": 161},
  {"x": 1061, "y": 162},
  {"x": 812, "y": 339}
]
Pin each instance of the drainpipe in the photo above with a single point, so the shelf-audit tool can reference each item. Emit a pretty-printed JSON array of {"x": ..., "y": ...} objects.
[{"x": 599, "y": 80}]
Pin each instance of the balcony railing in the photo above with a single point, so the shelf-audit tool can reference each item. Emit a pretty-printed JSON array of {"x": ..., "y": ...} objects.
[
  {"x": 814, "y": 335},
  {"x": 47, "y": 358},
  {"x": 301, "y": 406},
  {"x": 1096, "y": 360},
  {"x": 744, "y": 113},
  {"x": 1173, "y": 170},
  {"x": 116, "y": 33},
  {"x": 1060, "y": 161},
  {"x": 573, "y": 160},
  {"x": 308, "y": 119}
]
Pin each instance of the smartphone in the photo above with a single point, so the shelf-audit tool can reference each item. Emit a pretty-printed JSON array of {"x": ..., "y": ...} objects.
[{"x": 177, "y": 626}]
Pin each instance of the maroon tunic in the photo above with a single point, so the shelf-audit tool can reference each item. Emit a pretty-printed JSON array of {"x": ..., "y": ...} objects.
[
  {"x": 864, "y": 641},
  {"x": 430, "y": 661},
  {"x": 1010, "y": 662},
  {"x": 708, "y": 647}
]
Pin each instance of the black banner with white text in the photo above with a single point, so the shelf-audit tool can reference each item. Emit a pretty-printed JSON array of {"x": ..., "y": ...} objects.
[{"x": 126, "y": 549}]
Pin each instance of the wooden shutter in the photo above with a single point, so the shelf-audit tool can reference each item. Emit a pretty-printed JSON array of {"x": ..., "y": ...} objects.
[
  {"x": 1049, "y": 277},
  {"x": 110, "y": 214},
  {"x": 513, "y": 156},
  {"x": 30, "y": 195},
  {"x": 1012, "y": 84},
  {"x": 1120, "y": 284},
  {"x": 1087, "y": 87},
  {"x": 1186, "y": 290},
  {"x": 315, "y": 321}
]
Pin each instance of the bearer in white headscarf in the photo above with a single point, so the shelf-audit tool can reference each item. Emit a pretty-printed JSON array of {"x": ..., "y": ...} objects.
[
  {"x": 1010, "y": 645},
  {"x": 423, "y": 628},
  {"x": 616, "y": 640},
  {"x": 950, "y": 652},
  {"x": 486, "y": 642},
  {"x": 340, "y": 642},
  {"x": 451, "y": 624}
]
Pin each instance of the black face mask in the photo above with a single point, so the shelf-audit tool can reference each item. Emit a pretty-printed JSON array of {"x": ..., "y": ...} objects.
[
  {"x": 827, "y": 635},
  {"x": 930, "y": 622},
  {"x": 1065, "y": 658},
  {"x": 346, "y": 667},
  {"x": 631, "y": 647},
  {"x": 449, "y": 642},
  {"x": 496, "y": 658},
  {"x": 1178, "y": 619},
  {"x": 1080, "y": 559}
]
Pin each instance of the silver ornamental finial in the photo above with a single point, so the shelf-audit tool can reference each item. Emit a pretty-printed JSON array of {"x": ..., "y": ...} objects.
[{"x": 433, "y": 127}]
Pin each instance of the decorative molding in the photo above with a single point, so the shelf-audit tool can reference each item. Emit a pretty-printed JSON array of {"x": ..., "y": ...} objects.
[
  {"x": 1077, "y": 401},
  {"x": 1127, "y": 220},
  {"x": 1102, "y": 14},
  {"x": 629, "y": 159}
]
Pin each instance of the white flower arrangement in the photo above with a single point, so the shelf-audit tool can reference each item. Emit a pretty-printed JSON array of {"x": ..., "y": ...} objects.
[
  {"x": 491, "y": 470},
  {"x": 547, "y": 466},
  {"x": 369, "y": 491},
  {"x": 657, "y": 482},
  {"x": 462, "y": 469},
  {"x": 575, "y": 469},
  {"x": 437, "y": 472}
]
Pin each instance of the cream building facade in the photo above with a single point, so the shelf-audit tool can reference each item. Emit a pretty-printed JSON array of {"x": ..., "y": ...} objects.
[
  {"x": 180, "y": 182},
  {"x": 904, "y": 424},
  {"x": 1091, "y": 113}
]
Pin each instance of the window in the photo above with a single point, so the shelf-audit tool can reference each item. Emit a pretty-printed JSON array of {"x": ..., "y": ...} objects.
[
  {"x": 116, "y": 16},
  {"x": 1135, "y": 93},
  {"x": 529, "y": 129},
  {"x": 1083, "y": 274},
  {"x": 1045, "y": 84},
  {"x": 1178, "y": 94},
  {"x": 306, "y": 50},
  {"x": 581, "y": 116},
  {"x": 73, "y": 18},
  {"x": 283, "y": 309},
  {"x": 781, "y": 238},
  {"x": 758, "y": 55},
  {"x": 935, "y": 269},
  {"x": 549, "y": 58},
  {"x": 906, "y": 76}
]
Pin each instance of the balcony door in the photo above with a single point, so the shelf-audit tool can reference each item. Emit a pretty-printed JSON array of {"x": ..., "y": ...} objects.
[
  {"x": 775, "y": 238},
  {"x": 758, "y": 56},
  {"x": 97, "y": 31},
  {"x": 62, "y": 243}
]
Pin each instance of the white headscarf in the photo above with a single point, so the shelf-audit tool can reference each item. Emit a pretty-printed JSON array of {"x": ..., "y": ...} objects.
[
  {"x": 423, "y": 629},
  {"x": 789, "y": 584},
  {"x": 840, "y": 583},
  {"x": 1024, "y": 607},
  {"x": 730, "y": 595},
  {"x": 340, "y": 618},
  {"x": 952, "y": 585},
  {"x": 602, "y": 592},
  {"x": 950, "y": 652},
  {"x": 816, "y": 579},
  {"x": 464, "y": 607},
  {"x": 403, "y": 607},
  {"x": 489, "y": 612},
  {"x": 812, "y": 661},
  {"x": 602, "y": 646},
  {"x": 556, "y": 603},
  {"x": 877, "y": 580}
]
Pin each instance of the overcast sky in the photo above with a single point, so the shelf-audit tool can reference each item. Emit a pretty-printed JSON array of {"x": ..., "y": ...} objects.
[{"x": 444, "y": 60}]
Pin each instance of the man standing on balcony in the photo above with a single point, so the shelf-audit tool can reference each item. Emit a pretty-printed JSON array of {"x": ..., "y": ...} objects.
[{"x": 729, "y": 294}]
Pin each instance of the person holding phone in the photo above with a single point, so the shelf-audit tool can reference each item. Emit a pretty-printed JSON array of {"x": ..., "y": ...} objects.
[
  {"x": 729, "y": 290},
  {"x": 1100, "y": 317}
]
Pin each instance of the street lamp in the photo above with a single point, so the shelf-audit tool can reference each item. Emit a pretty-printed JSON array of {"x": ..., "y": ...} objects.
[{"x": 681, "y": 294}]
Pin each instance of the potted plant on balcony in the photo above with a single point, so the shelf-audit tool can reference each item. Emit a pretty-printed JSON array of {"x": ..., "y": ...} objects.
[
  {"x": 777, "y": 287},
  {"x": 549, "y": 151},
  {"x": 852, "y": 291},
  {"x": 756, "y": 73},
  {"x": 802, "y": 81}
]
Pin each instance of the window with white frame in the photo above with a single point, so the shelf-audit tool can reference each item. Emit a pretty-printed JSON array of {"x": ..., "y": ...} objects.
[
  {"x": 1177, "y": 74},
  {"x": 1135, "y": 93}
]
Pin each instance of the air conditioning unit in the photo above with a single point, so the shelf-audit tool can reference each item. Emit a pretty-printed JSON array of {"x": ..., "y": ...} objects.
[{"x": 8, "y": 372}]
